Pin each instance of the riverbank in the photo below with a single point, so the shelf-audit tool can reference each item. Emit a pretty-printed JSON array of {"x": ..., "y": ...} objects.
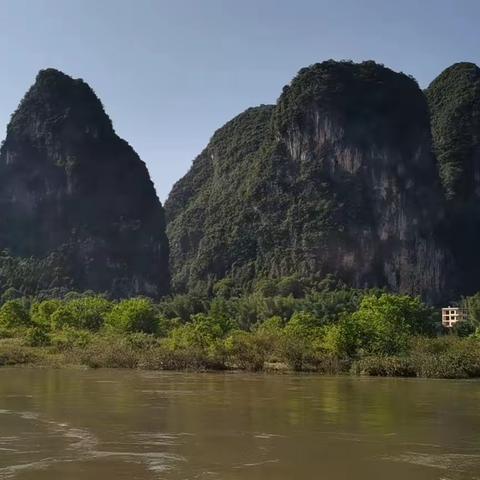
[
  {"x": 433, "y": 358},
  {"x": 323, "y": 329}
]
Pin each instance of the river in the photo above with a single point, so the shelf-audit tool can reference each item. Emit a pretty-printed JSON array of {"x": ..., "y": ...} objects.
[{"x": 119, "y": 424}]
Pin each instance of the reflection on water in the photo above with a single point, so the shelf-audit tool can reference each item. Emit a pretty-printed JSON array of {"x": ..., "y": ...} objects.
[{"x": 69, "y": 424}]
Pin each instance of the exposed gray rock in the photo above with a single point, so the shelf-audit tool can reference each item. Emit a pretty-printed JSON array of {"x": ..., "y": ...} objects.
[
  {"x": 69, "y": 184},
  {"x": 337, "y": 178}
]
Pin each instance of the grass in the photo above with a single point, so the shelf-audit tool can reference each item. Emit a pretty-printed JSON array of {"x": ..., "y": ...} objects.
[
  {"x": 14, "y": 353},
  {"x": 444, "y": 357}
]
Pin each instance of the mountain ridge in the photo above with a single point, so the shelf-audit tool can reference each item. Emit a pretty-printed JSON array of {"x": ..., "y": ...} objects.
[
  {"x": 335, "y": 123},
  {"x": 354, "y": 172}
]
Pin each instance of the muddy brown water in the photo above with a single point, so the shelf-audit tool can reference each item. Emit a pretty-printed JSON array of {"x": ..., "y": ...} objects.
[{"x": 120, "y": 424}]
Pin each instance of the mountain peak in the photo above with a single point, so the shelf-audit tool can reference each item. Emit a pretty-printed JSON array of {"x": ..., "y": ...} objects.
[
  {"x": 57, "y": 101},
  {"x": 70, "y": 186},
  {"x": 50, "y": 73}
]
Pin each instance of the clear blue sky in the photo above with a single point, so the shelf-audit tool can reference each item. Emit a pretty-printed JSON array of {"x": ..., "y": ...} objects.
[{"x": 171, "y": 72}]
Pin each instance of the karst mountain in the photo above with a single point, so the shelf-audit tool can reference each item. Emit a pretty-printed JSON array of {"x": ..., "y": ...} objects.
[{"x": 354, "y": 172}]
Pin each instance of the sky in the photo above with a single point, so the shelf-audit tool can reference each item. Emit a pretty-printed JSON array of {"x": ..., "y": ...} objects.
[{"x": 170, "y": 72}]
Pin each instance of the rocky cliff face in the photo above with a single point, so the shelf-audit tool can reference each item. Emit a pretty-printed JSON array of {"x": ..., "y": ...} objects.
[
  {"x": 72, "y": 190},
  {"x": 338, "y": 177},
  {"x": 454, "y": 101}
]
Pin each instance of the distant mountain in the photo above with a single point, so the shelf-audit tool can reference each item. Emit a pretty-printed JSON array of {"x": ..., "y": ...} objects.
[
  {"x": 337, "y": 178},
  {"x": 78, "y": 207}
]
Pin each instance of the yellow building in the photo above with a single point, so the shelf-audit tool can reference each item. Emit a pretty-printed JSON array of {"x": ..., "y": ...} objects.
[{"x": 453, "y": 315}]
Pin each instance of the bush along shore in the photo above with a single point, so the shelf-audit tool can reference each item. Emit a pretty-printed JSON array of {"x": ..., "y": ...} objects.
[{"x": 284, "y": 325}]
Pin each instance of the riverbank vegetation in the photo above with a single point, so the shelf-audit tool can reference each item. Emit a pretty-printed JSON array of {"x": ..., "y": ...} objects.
[{"x": 287, "y": 324}]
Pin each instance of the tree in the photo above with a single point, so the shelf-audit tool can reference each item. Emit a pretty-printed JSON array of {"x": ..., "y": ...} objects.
[
  {"x": 133, "y": 315},
  {"x": 342, "y": 338},
  {"x": 225, "y": 288},
  {"x": 329, "y": 305},
  {"x": 302, "y": 325},
  {"x": 291, "y": 285},
  {"x": 472, "y": 305},
  {"x": 42, "y": 312},
  {"x": 14, "y": 314},
  {"x": 248, "y": 351},
  {"x": 386, "y": 322},
  {"x": 85, "y": 313},
  {"x": 183, "y": 306},
  {"x": 266, "y": 287},
  {"x": 300, "y": 338},
  {"x": 202, "y": 332},
  {"x": 10, "y": 294}
]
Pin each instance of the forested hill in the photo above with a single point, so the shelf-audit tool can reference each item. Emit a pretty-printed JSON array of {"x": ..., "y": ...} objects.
[
  {"x": 337, "y": 178},
  {"x": 454, "y": 100},
  {"x": 79, "y": 210}
]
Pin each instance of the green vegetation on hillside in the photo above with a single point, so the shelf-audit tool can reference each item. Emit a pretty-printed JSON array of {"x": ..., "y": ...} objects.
[
  {"x": 375, "y": 105},
  {"x": 35, "y": 276},
  {"x": 286, "y": 324},
  {"x": 454, "y": 100},
  {"x": 294, "y": 188},
  {"x": 206, "y": 210}
]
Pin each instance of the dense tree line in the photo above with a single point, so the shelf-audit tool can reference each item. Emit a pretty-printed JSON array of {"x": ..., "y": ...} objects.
[{"x": 289, "y": 323}]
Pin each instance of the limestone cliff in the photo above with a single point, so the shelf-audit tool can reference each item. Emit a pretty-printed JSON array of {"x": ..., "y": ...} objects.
[
  {"x": 71, "y": 189},
  {"x": 338, "y": 177}
]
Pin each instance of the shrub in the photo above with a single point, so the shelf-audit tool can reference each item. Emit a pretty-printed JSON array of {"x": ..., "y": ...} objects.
[
  {"x": 329, "y": 364},
  {"x": 6, "y": 332},
  {"x": 37, "y": 337},
  {"x": 10, "y": 294},
  {"x": 41, "y": 312},
  {"x": 166, "y": 325},
  {"x": 448, "y": 365},
  {"x": 241, "y": 312},
  {"x": 273, "y": 324},
  {"x": 302, "y": 325},
  {"x": 330, "y": 306},
  {"x": 84, "y": 313},
  {"x": 300, "y": 336},
  {"x": 225, "y": 288},
  {"x": 133, "y": 315},
  {"x": 463, "y": 329},
  {"x": 266, "y": 287},
  {"x": 342, "y": 338},
  {"x": 291, "y": 285},
  {"x": 225, "y": 313},
  {"x": 70, "y": 338},
  {"x": 141, "y": 341},
  {"x": 164, "y": 357},
  {"x": 283, "y": 307},
  {"x": 14, "y": 314},
  {"x": 202, "y": 332},
  {"x": 107, "y": 352},
  {"x": 271, "y": 330},
  {"x": 183, "y": 306},
  {"x": 202, "y": 338},
  {"x": 297, "y": 352},
  {"x": 448, "y": 357},
  {"x": 389, "y": 366},
  {"x": 247, "y": 351},
  {"x": 14, "y": 354}
]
